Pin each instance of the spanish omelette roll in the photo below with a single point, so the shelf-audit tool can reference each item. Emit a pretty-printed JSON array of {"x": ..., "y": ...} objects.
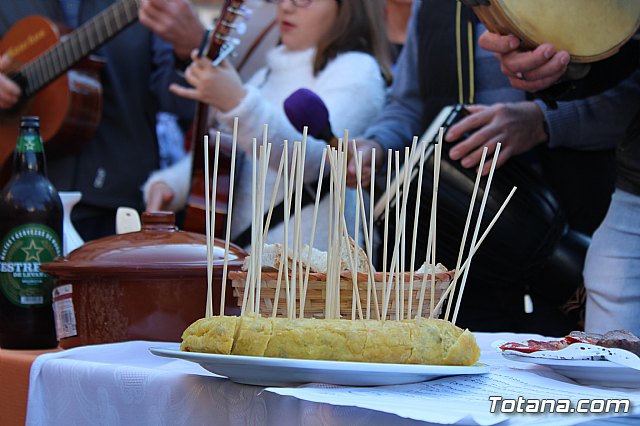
[
  {"x": 333, "y": 340},
  {"x": 427, "y": 341},
  {"x": 465, "y": 350},
  {"x": 439, "y": 342},
  {"x": 211, "y": 335},
  {"x": 253, "y": 336},
  {"x": 388, "y": 341}
]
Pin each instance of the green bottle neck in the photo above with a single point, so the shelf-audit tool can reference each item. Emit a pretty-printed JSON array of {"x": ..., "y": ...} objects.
[{"x": 29, "y": 154}]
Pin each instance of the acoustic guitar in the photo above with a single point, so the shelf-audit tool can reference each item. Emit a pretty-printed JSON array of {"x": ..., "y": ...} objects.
[
  {"x": 69, "y": 104},
  {"x": 217, "y": 45}
]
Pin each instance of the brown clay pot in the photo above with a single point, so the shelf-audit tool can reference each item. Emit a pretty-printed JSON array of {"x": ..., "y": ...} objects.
[{"x": 146, "y": 285}]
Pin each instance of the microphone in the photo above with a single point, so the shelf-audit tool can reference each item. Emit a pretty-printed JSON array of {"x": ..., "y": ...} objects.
[{"x": 305, "y": 108}]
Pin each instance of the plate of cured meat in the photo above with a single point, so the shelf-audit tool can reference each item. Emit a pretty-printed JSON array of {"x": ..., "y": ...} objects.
[{"x": 611, "y": 359}]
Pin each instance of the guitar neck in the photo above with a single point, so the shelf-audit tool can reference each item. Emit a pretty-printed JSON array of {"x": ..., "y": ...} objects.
[
  {"x": 77, "y": 45},
  {"x": 216, "y": 47}
]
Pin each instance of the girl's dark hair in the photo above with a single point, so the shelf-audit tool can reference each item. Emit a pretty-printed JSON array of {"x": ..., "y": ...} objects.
[{"x": 359, "y": 26}]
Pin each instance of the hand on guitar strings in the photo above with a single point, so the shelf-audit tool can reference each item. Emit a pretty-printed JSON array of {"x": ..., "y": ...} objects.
[
  {"x": 518, "y": 126},
  {"x": 530, "y": 71},
  {"x": 219, "y": 86},
  {"x": 9, "y": 90},
  {"x": 174, "y": 21}
]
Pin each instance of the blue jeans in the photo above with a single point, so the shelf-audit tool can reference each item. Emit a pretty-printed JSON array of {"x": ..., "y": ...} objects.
[{"x": 612, "y": 268}]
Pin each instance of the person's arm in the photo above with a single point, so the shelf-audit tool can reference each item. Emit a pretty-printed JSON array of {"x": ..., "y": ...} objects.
[
  {"x": 549, "y": 74},
  {"x": 177, "y": 31},
  {"x": 174, "y": 21},
  {"x": 530, "y": 71},
  {"x": 167, "y": 189},
  {"x": 352, "y": 88},
  {"x": 595, "y": 122}
]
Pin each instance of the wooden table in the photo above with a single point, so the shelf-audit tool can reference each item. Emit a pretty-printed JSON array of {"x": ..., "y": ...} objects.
[{"x": 14, "y": 383}]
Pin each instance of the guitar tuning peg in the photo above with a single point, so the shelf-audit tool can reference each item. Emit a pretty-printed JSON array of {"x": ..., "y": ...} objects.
[
  {"x": 245, "y": 12},
  {"x": 240, "y": 27}
]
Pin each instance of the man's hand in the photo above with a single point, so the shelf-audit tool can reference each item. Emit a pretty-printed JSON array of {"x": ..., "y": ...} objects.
[
  {"x": 518, "y": 126},
  {"x": 219, "y": 86},
  {"x": 160, "y": 196},
  {"x": 527, "y": 70},
  {"x": 366, "y": 146},
  {"x": 9, "y": 90},
  {"x": 174, "y": 21}
]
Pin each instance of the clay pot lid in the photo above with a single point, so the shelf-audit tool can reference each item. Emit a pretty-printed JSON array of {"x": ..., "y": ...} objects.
[{"x": 159, "y": 248}]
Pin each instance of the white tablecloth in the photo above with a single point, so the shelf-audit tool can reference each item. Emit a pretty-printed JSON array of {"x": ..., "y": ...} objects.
[{"x": 124, "y": 384}]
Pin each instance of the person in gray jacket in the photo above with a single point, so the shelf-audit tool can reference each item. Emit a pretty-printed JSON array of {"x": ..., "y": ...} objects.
[{"x": 433, "y": 71}]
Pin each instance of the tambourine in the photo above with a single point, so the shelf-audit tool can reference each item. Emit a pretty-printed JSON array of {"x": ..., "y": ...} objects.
[{"x": 590, "y": 30}]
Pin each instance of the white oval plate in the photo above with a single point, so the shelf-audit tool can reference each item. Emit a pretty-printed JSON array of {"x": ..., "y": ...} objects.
[
  {"x": 265, "y": 371},
  {"x": 587, "y": 372}
]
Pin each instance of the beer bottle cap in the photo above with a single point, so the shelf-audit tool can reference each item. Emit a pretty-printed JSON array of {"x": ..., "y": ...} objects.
[{"x": 30, "y": 121}]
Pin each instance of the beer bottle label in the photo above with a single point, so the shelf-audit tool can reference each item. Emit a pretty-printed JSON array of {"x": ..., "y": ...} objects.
[
  {"x": 29, "y": 142},
  {"x": 22, "y": 251}
]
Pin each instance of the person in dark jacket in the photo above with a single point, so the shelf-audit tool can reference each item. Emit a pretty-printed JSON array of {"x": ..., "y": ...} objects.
[
  {"x": 612, "y": 268},
  {"x": 434, "y": 71}
]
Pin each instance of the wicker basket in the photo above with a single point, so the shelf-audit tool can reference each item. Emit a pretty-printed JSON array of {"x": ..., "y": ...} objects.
[{"x": 316, "y": 292}]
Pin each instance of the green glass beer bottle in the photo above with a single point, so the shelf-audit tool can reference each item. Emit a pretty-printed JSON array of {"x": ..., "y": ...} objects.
[{"x": 30, "y": 234}]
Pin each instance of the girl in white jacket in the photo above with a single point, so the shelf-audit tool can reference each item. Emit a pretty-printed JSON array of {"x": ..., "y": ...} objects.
[{"x": 337, "y": 49}]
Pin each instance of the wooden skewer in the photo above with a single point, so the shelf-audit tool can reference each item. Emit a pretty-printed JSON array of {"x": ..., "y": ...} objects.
[
  {"x": 285, "y": 243},
  {"x": 232, "y": 175},
  {"x": 464, "y": 233},
  {"x": 284, "y": 257},
  {"x": 343, "y": 192},
  {"x": 212, "y": 213},
  {"x": 356, "y": 237},
  {"x": 274, "y": 194},
  {"x": 261, "y": 233},
  {"x": 258, "y": 248},
  {"x": 329, "y": 234},
  {"x": 435, "y": 221},
  {"x": 313, "y": 232},
  {"x": 254, "y": 244},
  {"x": 296, "y": 230},
  {"x": 372, "y": 186},
  {"x": 207, "y": 201},
  {"x": 483, "y": 203},
  {"x": 245, "y": 294},
  {"x": 332, "y": 235},
  {"x": 403, "y": 245},
  {"x": 399, "y": 231},
  {"x": 479, "y": 243},
  {"x": 354, "y": 275},
  {"x": 444, "y": 295},
  {"x": 432, "y": 230},
  {"x": 414, "y": 238},
  {"x": 394, "y": 257},
  {"x": 303, "y": 147},
  {"x": 367, "y": 236},
  {"x": 248, "y": 297},
  {"x": 337, "y": 238},
  {"x": 386, "y": 225}
]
